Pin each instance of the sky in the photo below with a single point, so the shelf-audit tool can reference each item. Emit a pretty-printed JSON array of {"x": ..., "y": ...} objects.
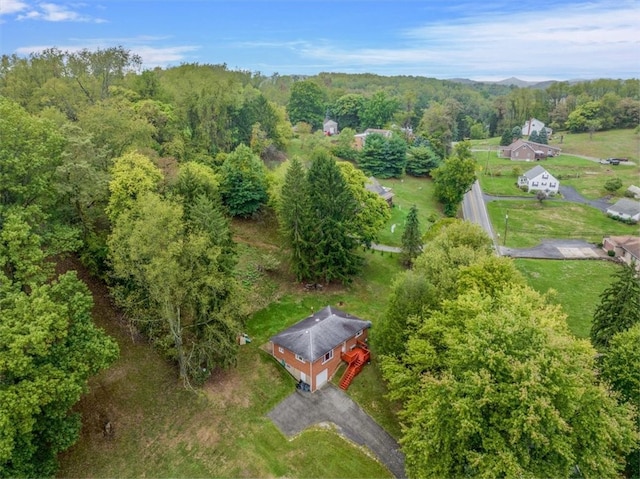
[{"x": 479, "y": 40}]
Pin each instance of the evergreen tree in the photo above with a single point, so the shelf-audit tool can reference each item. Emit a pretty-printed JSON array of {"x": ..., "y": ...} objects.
[
  {"x": 332, "y": 246},
  {"x": 516, "y": 132},
  {"x": 293, "y": 214},
  {"x": 534, "y": 137},
  {"x": 372, "y": 157},
  {"x": 395, "y": 157},
  {"x": 411, "y": 238},
  {"x": 619, "y": 307},
  {"x": 542, "y": 137},
  {"x": 507, "y": 138}
]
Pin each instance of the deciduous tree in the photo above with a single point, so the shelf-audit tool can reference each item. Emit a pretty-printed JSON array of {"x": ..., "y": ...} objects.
[
  {"x": 243, "y": 182},
  {"x": 496, "y": 386},
  {"x": 307, "y": 103},
  {"x": 454, "y": 178}
]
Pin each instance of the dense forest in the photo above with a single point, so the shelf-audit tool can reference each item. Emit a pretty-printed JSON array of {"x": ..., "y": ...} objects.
[{"x": 139, "y": 173}]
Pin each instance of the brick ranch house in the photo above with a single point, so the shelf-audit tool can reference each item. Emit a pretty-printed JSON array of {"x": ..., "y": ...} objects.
[
  {"x": 310, "y": 349},
  {"x": 626, "y": 248},
  {"x": 523, "y": 150}
]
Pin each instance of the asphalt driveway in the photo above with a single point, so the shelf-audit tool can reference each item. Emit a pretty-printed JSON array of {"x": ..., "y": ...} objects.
[
  {"x": 301, "y": 410},
  {"x": 557, "y": 249}
]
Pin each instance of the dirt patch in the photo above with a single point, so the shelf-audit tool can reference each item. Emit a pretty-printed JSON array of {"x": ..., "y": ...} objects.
[{"x": 225, "y": 388}]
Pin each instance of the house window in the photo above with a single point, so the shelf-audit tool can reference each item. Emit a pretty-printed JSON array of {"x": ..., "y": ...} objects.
[
  {"x": 552, "y": 185},
  {"x": 535, "y": 183},
  {"x": 327, "y": 357},
  {"x": 359, "y": 333},
  {"x": 544, "y": 177},
  {"x": 280, "y": 349},
  {"x": 299, "y": 358}
]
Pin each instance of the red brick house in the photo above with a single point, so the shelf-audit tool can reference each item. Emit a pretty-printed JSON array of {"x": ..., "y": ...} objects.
[
  {"x": 527, "y": 151},
  {"x": 310, "y": 349},
  {"x": 627, "y": 248}
]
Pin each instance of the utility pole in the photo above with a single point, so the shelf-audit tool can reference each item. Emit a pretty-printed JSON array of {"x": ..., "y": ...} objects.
[{"x": 506, "y": 227}]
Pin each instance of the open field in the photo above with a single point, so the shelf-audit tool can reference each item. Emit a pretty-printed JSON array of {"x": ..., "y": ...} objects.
[
  {"x": 530, "y": 221},
  {"x": 603, "y": 144},
  {"x": 409, "y": 191},
  {"x": 577, "y": 286},
  {"x": 499, "y": 176}
]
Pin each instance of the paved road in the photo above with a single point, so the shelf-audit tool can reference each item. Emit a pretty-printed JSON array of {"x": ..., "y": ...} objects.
[
  {"x": 474, "y": 209},
  {"x": 301, "y": 410}
]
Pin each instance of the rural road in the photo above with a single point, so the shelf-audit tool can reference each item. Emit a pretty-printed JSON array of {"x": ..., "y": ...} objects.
[{"x": 474, "y": 209}]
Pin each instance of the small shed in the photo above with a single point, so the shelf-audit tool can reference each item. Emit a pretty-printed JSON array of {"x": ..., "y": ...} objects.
[
  {"x": 330, "y": 127},
  {"x": 385, "y": 193}
]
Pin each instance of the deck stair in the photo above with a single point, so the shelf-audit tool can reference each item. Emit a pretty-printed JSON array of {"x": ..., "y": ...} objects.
[{"x": 356, "y": 359}]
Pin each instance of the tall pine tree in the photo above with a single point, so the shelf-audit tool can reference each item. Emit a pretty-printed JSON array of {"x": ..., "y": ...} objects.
[
  {"x": 293, "y": 214},
  {"x": 619, "y": 307},
  {"x": 332, "y": 246},
  {"x": 411, "y": 238}
]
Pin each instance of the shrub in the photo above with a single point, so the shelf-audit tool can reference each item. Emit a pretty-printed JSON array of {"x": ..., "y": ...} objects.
[{"x": 611, "y": 253}]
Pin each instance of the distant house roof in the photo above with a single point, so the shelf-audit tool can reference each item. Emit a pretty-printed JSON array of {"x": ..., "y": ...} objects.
[
  {"x": 535, "y": 171},
  {"x": 329, "y": 122},
  {"x": 312, "y": 337},
  {"x": 626, "y": 207},
  {"x": 385, "y": 133},
  {"x": 374, "y": 186},
  {"x": 628, "y": 243},
  {"x": 635, "y": 190}
]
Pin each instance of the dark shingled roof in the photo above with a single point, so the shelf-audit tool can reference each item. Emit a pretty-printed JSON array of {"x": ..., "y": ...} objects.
[{"x": 314, "y": 336}]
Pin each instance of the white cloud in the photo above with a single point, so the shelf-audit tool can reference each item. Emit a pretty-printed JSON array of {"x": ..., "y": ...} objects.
[
  {"x": 588, "y": 40},
  {"x": 8, "y": 7},
  {"x": 54, "y": 12},
  {"x": 152, "y": 55}
]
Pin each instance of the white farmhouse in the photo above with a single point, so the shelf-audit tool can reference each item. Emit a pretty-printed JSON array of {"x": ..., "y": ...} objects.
[
  {"x": 534, "y": 124},
  {"x": 539, "y": 179}
]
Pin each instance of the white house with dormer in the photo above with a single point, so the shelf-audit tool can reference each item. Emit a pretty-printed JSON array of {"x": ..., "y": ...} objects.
[
  {"x": 534, "y": 124},
  {"x": 539, "y": 179}
]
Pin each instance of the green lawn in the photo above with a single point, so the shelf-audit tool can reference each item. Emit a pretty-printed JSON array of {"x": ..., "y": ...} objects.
[
  {"x": 499, "y": 176},
  {"x": 577, "y": 285},
  {"x": 409, "y": 191},
  {"x": 603, "y": 144},
  {"x": 530, "y": 221}
]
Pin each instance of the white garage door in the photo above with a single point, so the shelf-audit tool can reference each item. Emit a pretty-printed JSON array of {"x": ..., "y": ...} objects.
[{"x": 321, "y": 378}]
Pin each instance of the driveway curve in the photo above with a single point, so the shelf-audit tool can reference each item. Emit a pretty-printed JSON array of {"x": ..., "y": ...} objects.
[{"x": 301, "y": 410}]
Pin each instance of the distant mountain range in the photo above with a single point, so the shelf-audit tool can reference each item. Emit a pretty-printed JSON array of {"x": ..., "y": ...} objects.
[{"x": 513, "y": 81}]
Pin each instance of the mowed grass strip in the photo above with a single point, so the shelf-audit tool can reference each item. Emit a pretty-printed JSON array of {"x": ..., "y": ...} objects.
[
  {"x": 531, "y": 221},
  {"x": 577, "y": 285},
  {"x": 409, "y": 191}
]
